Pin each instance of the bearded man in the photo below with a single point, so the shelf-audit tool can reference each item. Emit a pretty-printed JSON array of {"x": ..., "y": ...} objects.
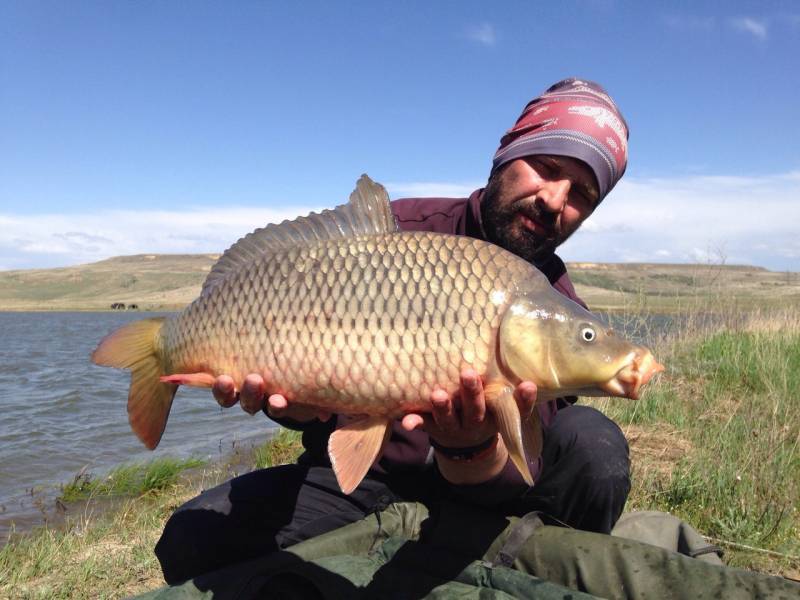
[{"x": 551, "y": 171}]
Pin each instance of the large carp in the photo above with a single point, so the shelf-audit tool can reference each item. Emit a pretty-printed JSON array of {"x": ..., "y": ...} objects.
[{"x": 342, "y": 311}]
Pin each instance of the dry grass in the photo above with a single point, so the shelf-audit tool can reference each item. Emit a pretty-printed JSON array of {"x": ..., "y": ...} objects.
[{"x": 654, "y": 451}]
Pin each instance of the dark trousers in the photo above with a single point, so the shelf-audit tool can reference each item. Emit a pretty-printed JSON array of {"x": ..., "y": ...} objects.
[{"x": 584, "y": 482}]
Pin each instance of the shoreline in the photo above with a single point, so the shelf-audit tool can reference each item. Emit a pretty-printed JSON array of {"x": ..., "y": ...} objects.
[{"x": 48, "y": 509}]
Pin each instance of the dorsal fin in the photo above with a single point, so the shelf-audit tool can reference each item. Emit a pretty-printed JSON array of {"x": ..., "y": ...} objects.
[{"x": 368, "y": 212}]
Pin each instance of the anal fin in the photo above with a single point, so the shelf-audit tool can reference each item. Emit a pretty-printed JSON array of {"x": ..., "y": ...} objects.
[
  {"x": 500, "y": 400},
  {"x": 354, "y": 447}
]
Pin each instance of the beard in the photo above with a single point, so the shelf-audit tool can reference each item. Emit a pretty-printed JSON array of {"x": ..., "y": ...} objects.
[{"x": 501, "y": 223}]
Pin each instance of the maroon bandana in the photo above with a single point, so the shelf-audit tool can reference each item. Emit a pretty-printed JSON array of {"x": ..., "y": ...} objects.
[{"x": 575, "y": 118}]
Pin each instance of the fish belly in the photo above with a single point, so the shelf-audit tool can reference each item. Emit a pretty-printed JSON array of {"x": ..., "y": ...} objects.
[{"x": 365, "y": 325}]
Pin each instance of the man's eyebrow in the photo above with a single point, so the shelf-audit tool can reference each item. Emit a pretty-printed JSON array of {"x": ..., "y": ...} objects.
[
  {"x": 587, "y": 184},
  {"x": 551, "y": 161}
]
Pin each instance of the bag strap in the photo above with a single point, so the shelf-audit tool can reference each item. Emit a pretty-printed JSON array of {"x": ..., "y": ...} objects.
[
  {"x": 707, "y": 550},
  {"x": 518, "y": 535}
]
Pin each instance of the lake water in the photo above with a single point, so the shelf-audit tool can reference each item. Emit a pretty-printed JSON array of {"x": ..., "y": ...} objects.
[{"x": 60, "y": 413}]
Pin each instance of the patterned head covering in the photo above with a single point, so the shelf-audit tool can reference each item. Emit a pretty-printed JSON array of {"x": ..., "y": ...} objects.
[{"x": 575, "y": 118}]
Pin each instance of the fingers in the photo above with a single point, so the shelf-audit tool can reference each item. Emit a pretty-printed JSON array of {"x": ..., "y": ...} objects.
[
  {"x": 473, "y": 400},
  {"x": 224, "y": 391},
  {"x": 251, "y": 396},
  {"x": 525, "y": 395},
  {"x": 277, "y": 406},
  {"x": 443, "y": 414},
  {"x": 413, "y": 421}
]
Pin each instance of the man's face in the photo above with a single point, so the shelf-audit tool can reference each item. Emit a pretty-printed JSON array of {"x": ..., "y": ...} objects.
[{"x": 533, "y": 204}]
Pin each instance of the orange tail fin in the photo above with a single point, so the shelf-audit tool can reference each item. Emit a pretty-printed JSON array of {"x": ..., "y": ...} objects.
[{"x": 133, "y": 347}]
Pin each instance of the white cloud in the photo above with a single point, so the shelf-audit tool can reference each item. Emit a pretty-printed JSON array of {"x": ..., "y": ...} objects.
[
  {"x": 753, "y": 26},
  {"x": 730, "y": 219},
  {"x": 722, "y": 218},
  {"x": 31, "y": 241},
  {"x": 483, "y": 34}
]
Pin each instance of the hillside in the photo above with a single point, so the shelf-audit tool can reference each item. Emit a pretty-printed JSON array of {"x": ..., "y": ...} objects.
[
  {"x": 151, "y": 281},
  {"x": 168, "y": 282},
  {"x": 668, "y": 287}
]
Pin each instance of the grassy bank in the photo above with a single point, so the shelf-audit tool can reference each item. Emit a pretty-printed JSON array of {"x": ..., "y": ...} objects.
[
  {"x": 105, "y": 549},
  {"x": 716, "y": 440},
  {"x": 128, "y": 480}
]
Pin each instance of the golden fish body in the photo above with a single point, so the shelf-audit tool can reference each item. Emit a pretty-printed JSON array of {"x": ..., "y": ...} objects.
[
  {"x": 342, "y": 311},
  {"x": 366, "y": 325}
]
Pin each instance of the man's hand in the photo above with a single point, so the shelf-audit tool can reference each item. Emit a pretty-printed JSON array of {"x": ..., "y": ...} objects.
[
  {"x": 252, "y": 398},
  {"x": 464, "y": 419}
]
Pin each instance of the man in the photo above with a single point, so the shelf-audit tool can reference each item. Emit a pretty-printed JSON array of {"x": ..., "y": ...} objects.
[{"x": 564, "y": 154}]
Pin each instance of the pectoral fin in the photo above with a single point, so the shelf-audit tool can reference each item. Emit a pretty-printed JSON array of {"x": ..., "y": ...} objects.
[
  {"x": 500, "y": 400},
  {"x": 354, "y": 447}
]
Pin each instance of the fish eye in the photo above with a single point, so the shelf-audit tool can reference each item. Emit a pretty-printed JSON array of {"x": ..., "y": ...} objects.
[{"x": 588, "y": 334}]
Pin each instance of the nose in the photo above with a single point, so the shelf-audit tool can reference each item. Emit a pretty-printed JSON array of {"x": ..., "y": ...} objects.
[{"x": 553, "y": 194}]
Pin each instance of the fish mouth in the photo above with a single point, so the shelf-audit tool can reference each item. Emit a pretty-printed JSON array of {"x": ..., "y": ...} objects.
[{"x": 640, "y": 367}]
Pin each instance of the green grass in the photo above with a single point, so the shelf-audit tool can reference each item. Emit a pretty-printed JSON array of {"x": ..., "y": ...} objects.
[
  {"x": 731, "y": 397},
  {"x": 281, "y": 449},
  {"x": 128, "y": 480}
]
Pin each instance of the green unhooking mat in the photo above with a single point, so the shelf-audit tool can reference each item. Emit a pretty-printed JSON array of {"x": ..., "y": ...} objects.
[{"x": 405, "y": 552}]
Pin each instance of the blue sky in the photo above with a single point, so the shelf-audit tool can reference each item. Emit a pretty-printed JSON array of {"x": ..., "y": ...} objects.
[{"x": 137, "y": 127}]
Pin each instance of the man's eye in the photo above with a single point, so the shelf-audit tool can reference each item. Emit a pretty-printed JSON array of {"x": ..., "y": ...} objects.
[
  {"x": 587, "y": 196},
  {"x": 546, "y": 168},
  {"x": 582, "y": 196}
]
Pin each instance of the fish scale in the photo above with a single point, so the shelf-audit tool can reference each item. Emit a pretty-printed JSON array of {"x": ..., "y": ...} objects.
[{"x": 328, "y": 327}]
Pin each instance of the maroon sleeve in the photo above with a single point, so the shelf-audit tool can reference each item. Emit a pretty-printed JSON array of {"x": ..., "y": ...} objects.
[
  {"x": 564, "y": 286},
  {"x": 440, "y": 215}
]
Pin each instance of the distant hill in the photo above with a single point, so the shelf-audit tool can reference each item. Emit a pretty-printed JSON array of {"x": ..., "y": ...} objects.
[
  {"x": 671, "y": 286},
  {"x": 151, "y": 281},
  {"x": 170, "y": 281}
]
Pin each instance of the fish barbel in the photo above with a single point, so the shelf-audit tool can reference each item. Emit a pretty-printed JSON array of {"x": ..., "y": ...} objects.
[{"x": 342, "y": 311}]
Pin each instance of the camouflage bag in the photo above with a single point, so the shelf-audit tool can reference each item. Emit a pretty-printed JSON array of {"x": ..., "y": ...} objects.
[{"x": 405, "y": 551}]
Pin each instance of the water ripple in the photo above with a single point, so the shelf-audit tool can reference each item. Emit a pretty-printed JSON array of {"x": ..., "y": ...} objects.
[{"x": 61, "y": 412}]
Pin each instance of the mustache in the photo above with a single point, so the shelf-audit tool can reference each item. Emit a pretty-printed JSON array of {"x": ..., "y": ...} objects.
[{"x": 532, "y": 209}]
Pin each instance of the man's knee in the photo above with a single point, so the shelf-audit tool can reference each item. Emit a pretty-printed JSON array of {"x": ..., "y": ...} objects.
[
  {"x": 593, "y": 442},
  {"x": 230, "y": 522},
  {"x": 589, "y": 450}
]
